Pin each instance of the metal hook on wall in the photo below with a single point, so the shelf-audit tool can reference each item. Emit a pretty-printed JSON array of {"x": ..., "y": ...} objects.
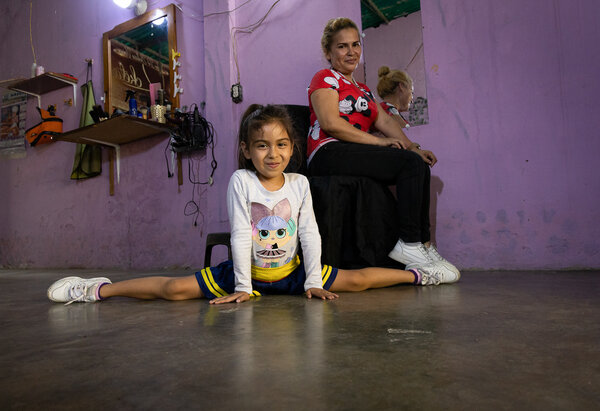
[{"x": 177, "y": 90}]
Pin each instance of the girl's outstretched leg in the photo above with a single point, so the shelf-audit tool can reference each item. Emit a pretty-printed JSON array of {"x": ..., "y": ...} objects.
[
  {"x": 149, "y": 288},
  {"x": 434, "y": 273},
  {"x": 370, "y": 277},
  {"x": 76, "y": 289}
]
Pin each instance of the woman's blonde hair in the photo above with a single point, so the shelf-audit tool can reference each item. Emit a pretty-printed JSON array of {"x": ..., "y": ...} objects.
[
  {"x": 332, "y": 27},
  {"x": 390, "y": 79}
]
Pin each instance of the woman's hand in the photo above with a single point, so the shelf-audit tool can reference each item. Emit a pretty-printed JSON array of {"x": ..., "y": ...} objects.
[
  {"x": 389, "y": 142},
  {"x": 320, "y": 293},
  {"x": 427, "y": 156},
  {"x": 238, "y": 297},
  {"x": 391, "y": 129}
]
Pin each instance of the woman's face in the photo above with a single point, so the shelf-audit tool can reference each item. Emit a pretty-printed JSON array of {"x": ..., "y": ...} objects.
[
  {"x": 406, "y": 96},
  {"x": 344, "y": 52}
]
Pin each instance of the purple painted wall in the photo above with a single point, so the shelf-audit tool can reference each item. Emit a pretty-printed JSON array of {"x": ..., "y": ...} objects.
[
  {"x": 512, "y": 90},
  {"x": 512, "y": 106},
  {"x": 48, "y": 220}
]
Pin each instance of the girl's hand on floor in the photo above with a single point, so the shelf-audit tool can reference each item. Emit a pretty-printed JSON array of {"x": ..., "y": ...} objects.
[
  {"x": 321, "y": 293},
  {"x": 238, "y": 297}
]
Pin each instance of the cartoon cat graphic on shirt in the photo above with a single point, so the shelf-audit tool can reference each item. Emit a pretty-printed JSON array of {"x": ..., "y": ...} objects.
[{"x": 272, "y": 230}]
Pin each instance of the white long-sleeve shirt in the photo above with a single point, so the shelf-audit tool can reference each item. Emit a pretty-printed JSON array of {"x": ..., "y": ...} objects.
[{"x": 267, "y": 225}]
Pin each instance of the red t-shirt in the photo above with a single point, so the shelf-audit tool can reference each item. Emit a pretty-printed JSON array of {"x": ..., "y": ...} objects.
[{"x": 356, "y": 105}]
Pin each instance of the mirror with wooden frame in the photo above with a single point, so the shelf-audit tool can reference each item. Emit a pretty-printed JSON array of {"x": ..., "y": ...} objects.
[
  {"x": 137, "y": 53},
  {"x": 393, "y": 37}
]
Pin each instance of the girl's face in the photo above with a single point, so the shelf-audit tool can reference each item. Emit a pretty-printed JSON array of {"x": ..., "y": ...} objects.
[
  {"x": 270, "y": 150},
  {"x": 345, "y": 50}
]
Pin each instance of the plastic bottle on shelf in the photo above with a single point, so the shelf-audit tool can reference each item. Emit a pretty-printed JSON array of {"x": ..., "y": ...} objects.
[{"x": 133, "y": 111}]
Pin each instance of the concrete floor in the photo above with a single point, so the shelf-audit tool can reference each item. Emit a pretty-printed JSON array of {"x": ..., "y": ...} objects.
[{"x": 496, "y": 340}]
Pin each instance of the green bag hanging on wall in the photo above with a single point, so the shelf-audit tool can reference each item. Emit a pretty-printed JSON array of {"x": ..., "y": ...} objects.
[{"x": 88, "y": 158}]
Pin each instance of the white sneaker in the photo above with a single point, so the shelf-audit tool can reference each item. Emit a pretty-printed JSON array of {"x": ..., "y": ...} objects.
[
  {"x": 76, "y": 289},
  {"x": 434, "y": 254},
  {"x": 438, "y": 272},
  {"x": 410, "y": 254}
]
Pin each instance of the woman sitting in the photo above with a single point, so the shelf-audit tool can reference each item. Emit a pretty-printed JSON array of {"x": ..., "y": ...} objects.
[
  {"x": 395, "y": 87},
  {"x": 342, "y": 112}
]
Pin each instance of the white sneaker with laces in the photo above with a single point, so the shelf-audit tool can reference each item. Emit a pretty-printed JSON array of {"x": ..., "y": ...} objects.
[
  {"x": 76, "y": 289},
  {"x": 438, "y": 272},
  {"x": 410, "y": 254},
  {"x": 434, "y": 254}
]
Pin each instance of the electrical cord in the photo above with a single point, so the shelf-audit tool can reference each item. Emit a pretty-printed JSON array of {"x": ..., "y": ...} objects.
[
  {"x": 30, "y": 35},
  {"x": 234, "y": 30},
  {"x": 246, "y": 29},
  {"x": 169, "y": 174},
  {"x": 191, "y": 207},
  {"x": 197, "y": 17},
  {"x": 414, "y": 56},
  {"x": 227, "y": 11},
  {"x": 210, "y": 136},
  {"x": 195, "y": 209}
]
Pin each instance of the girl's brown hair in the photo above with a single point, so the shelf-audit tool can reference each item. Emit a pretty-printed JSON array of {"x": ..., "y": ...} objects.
[
  {"x": 390, "y": 79},
  {"x": 254, "y": 118},
  {"x": 331, "y": 29}
]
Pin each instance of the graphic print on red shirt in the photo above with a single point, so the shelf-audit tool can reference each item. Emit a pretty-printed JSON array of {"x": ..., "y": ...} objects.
[{"x": 356, "y": 105}]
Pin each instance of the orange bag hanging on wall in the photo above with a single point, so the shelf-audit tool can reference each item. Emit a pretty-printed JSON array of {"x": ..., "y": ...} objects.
[{"x": 45, "y": 131}]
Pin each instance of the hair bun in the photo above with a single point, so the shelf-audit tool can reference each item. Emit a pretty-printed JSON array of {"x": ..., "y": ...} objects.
[{"x": 383, "y": 71}]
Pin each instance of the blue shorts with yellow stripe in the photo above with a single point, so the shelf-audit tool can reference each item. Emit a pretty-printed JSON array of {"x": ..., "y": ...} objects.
[{"x": 219, "y": 281}]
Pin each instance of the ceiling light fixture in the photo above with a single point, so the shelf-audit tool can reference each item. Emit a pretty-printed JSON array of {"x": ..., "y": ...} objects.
[{"x": 139, "y": 6}]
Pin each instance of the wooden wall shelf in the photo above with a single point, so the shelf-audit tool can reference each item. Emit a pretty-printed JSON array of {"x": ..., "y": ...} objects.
[
  {"x": 115, "y": 132},
  {"x": 42, "y": 84}
]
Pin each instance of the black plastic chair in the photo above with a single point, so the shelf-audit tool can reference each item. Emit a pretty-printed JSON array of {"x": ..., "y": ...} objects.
[{"x": 214, "y": 239}]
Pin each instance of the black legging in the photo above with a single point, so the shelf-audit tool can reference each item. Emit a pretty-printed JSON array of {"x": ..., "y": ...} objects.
[{"x": 404, "y": 168}]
